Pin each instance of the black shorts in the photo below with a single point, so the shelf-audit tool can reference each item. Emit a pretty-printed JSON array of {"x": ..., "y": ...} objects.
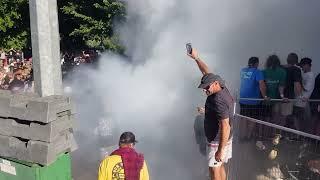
[
  {"x": 314, "y": 108},
  {"x": 298, "y": 111},
  {"x": 250, "y": 110},
  {"x": 266, "y": 110}
]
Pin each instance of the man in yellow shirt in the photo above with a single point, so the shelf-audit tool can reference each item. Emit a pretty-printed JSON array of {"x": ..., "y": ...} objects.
[{"x": 124, "y": 163}]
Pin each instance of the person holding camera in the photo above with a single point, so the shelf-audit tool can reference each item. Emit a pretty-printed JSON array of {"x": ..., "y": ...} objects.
[{"x": 218, "y": 118}]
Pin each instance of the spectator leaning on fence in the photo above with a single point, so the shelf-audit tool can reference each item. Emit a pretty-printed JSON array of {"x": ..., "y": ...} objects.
[
  {"x": 302, "y": 108},
  {"x": 293, "y": 88},
  {"x": 315, "y": 106},
  {"x": 275, "y": 78},
  {"x": 252, "y": 85}
]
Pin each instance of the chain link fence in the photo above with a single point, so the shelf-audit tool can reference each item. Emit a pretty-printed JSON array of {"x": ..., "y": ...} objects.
[{"x": 275, "y": 140}]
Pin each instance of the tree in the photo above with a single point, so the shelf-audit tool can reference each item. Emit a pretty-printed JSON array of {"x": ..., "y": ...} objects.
[
  {"x": 90, "y": 23},
  {"x": 14, "y": 24},
  {"x": 83, "y": 24}
]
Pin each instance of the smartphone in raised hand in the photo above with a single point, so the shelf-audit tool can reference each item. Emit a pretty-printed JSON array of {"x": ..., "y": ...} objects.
[{"x": 189, "y": 48}]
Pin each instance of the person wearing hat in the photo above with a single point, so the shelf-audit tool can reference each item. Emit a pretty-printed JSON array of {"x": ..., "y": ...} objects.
[
  {"x": 218, "y": 119},
  {"x": 301, "y": 110},
  {"x": 124, "y": 163}
]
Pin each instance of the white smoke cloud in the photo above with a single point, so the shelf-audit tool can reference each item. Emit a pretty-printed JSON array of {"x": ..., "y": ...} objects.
[{"x": 154, "y": 93}]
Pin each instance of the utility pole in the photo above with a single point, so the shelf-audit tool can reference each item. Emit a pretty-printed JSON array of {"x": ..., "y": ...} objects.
[{"x": 45, "y": 47}]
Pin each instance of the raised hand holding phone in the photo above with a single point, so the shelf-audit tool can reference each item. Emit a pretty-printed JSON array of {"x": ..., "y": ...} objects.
[
  {"x": 191, "y": 52},
  {"x": 189, "y": 48}
]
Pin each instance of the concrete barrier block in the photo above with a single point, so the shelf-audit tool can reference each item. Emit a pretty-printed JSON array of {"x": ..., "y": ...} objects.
[
  {"x": 5, "y": 93},
  {"x": 35, "y": 151},
  {"x": 5, "y": 106},
  {"x": 46, "y": 109},
  {"x": 33, "y": 108},
  {"x": 12, "y": 147},
  {"x": 36, "y": 131},
  {"x": 9, "y": 93}
]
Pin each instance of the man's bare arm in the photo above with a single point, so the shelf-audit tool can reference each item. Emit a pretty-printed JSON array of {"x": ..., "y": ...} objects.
[
  {"x": 298, "y": 89},
  {"x": 281, "y": 91},
  {"x": 225, "y": 133},
  {"x": 263, "y": 88},
  {"x": 201, "y": 64}
]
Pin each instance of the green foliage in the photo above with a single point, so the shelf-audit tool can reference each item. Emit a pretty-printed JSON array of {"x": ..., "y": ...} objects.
[
  {"x": 14, "y": 24},
  {"x": 83, "y": 24},
  {"x": 91, "y": 22}
]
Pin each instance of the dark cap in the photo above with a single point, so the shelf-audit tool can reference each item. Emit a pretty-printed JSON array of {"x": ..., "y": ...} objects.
[
  {"x": 305, "y": 61},
  {"x": 209, "y": 78},
  {"x": 127, "y": 138}
]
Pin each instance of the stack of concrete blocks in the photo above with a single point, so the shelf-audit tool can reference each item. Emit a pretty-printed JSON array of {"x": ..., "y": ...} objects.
[{"x": 35, "y": 129}]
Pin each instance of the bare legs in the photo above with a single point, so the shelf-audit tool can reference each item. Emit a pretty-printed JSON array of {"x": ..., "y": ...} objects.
[{"x": 218, "y": 173}]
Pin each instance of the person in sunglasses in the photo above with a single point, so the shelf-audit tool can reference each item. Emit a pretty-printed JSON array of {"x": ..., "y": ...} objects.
[{"x": 218, "y": 119}]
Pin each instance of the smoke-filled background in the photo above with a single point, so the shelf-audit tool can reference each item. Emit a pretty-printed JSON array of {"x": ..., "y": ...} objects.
[{"x": 153, "y": 92}]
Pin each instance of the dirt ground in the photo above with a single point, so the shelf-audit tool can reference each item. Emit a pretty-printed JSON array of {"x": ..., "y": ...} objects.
[{"x": 247, "y": 163}]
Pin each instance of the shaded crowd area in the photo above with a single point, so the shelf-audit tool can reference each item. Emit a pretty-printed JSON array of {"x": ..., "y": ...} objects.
[
  {"x": 16, "y": 71},
  {"x": 283, "y": 94},
  {"x": 277, "y": 121}
]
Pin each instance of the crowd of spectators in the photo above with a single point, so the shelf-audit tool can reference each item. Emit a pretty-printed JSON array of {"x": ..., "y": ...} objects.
[
  {"x": 281, "y": 94},
  {"x": 72, "y": 59},
  {"x": 16, "y": 73}
]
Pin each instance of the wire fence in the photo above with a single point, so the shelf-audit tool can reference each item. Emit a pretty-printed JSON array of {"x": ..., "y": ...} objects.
[{"x": 275, "y": 140}]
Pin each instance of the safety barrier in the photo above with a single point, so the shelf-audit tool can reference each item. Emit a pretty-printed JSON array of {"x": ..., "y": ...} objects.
[{"x": 275, "y": 139}]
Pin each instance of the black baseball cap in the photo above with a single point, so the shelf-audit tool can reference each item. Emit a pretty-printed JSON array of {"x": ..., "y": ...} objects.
[
  {"x": 305, "y": 61},
  {"x": 127, "y": 138},
  {"x": 209, "y": 78}
]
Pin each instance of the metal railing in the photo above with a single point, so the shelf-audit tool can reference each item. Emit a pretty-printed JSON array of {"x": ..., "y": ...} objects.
[{"x": 269, "y": 145}]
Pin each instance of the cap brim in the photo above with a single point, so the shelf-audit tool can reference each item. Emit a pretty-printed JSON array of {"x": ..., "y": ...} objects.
[{"x": 202, "y": 86}]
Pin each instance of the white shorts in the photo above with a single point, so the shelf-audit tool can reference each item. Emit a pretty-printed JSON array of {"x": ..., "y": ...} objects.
[{"x": 213, "y": 148}]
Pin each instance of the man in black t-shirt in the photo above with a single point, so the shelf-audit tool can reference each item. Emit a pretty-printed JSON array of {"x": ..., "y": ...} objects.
[
  {"x": 315, "y": 106},
  {"x": 293, "y": 90},
  {"x": 218, "y": 119},
  {"x": 294, "y": 78}
]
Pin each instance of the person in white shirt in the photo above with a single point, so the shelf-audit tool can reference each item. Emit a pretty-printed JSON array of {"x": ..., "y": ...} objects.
[
  {"x": 308, "y": 78},
  {"x": 303, "y": 109}
]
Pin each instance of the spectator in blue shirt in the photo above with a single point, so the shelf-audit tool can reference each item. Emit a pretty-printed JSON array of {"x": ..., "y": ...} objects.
[
  {"x": 252, "y": 86},
  {"x": 252, "y": 82}
]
